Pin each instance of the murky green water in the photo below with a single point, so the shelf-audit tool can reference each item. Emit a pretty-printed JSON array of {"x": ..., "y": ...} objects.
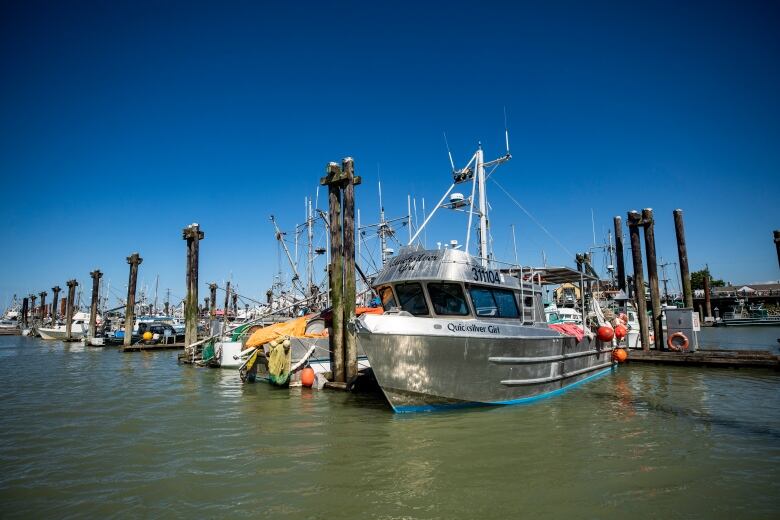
[{"x": 96, "y": 433}]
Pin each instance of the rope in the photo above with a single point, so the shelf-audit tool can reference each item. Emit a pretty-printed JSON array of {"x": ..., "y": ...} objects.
[{"x": 533, "y": 219}]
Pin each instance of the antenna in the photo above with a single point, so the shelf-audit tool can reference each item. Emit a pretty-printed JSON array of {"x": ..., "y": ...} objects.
[
  {"x": 452, "y": 163},
  {"x": 506, "y": 132}
]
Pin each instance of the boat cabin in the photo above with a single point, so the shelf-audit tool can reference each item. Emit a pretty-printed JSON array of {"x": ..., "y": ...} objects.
[{"x": 449, "y": 282}]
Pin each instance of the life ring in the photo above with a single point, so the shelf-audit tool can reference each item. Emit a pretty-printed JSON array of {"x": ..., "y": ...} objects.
[{"x": 682, "y": 346}]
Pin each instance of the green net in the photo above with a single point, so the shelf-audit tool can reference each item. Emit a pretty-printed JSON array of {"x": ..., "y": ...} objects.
[{"x": 208, "y": 351}]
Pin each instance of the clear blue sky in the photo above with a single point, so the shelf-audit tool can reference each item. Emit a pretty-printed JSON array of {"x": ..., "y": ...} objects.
[{"x": 121, "y": 122}]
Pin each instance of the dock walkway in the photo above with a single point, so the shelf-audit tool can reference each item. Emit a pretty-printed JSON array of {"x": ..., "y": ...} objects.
[{"x": 720, "y": 358}]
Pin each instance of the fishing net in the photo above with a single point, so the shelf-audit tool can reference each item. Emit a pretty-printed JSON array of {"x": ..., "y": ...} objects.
[{"x": 279, "y": 361}]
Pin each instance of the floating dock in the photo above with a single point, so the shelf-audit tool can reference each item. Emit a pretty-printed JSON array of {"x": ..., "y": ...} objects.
[
  {"x": 719, "y": 358},
  {"x": 143, "y": 347}
]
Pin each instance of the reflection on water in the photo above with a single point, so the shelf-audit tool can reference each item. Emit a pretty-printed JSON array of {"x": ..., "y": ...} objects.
[{"x": 94, "y": 432}]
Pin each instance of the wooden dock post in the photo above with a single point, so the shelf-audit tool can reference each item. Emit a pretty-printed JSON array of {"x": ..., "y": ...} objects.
[
  {"x": 350, "y": 297},
  {"x": 333, "y": 181},
  {"x": 134, "y": 260},
  {"x": 42, "y": 294},
  {"x": 212, "y": 300},
  {"x": 776, "y": 234},
  {"x": 33, "y": 310},
  {"x": 621, "y": 266},
  {"x": 193, "y": 235},
  {"x": 72, "y": 284},
  {"x": 634, "y": 221},
  {"x": 652, "y": 275},
  {"x": 227, "y": 304},
  {"x": 25, "y": 310},
  {"x": 234, "y": 296},
  {"x": 96, "y": 276},
  {"x": 707, "y": 296},
  {"x": 56, "y": 295},
  {"x": 63, "y": 305},
  {"x": 682, "y": 253}
]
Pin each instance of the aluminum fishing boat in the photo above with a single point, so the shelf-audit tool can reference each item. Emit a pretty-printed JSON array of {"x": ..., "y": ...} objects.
[
  {"x": 459, "y": 331},
  {"x": 455, "y": 333}
]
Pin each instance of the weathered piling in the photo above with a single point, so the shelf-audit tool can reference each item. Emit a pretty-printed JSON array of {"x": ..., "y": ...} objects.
[
  {"x": 682, "y": 253},
  {"x": 42, "y": 294},
  {"x": 350, "y": 298},
  {"x": 652, "y": 275},
  {"x": 134, "y": 260},
  {"x": 33, "y": 309},
  {"x": 193, "y": 235},
  {"x": 234, "y": 296},
  {"x": 634, "y": 221},
  {"x": 63, "y": 306},
  {"x": 336, "y": 271},
  {"x": 707, "y": 296},
  {"x": 72, "y": 284},
  {"x": 25, "y": 311},
  {"x": 56, "y": 294},
  {"x": 341, "y": 271},
  {"x": 212, "y": 300},
  {"x": 621, "y": 266},
  {"x": 96, "y": 276},
  {"x": 776, "y": 233},
  {"x": 227, "y": 302}
]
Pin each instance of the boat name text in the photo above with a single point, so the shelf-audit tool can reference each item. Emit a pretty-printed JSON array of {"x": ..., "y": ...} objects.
[{"x": 461, "y": 327}]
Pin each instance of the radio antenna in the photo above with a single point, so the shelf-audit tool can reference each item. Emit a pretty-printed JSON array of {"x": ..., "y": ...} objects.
[{"x": 452, "y": 163}]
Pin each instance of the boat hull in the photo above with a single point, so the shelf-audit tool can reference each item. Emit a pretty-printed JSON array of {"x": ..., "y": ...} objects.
[
  {"x": 420, "y": 371},
  {"x": 57, "y": 334}
]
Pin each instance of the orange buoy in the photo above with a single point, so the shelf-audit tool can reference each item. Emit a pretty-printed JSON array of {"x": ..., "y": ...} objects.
[
  {"x": 620, "y": 331},
  {"x": 307, "y": 377},
  {"x": 619, "y": 355},
  {"x": 605, "y": 333}
]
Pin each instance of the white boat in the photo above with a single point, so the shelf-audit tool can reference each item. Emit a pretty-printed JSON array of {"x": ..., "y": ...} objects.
[
  {"x": 79, "y": 328},
  {"x": 555, "y": 314}
]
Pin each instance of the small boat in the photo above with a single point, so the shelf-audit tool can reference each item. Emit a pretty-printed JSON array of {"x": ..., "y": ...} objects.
[{"x": 78, "y": 329}]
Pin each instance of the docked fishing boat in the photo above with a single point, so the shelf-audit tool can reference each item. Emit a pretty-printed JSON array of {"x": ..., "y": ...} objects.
[
  {"x": 79, "y": 328},
  {"x": 742, "y": 315},
  {"x": 458, "y": 331}
]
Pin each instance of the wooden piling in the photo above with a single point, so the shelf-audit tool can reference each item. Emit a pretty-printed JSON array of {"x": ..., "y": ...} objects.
[
  {"x": 212, "y": 300},
  {"x": 634, "y": 221},
  {"x": 682, "y": 253},
  {"x": 227, "y": 304},
  {"x": 63, "y": 305},
  {"x": 134, "y": 260},
  {"x": 25, "y": 311},
  {"x": 234, "y": 297},
  {"x": 193, "y": 235},
  {"x": 707, "y": 295},
  {"x": 776, "y": 233},
  {"x": 621, "y": 266},
  {"x": 336, "y": 271},
  {"x": 43, "y": 294},
  {"x": 56, "y": 294},
  {"x": 652, "y": 275},
  {"x": 33, "y": 310},
  {"x": 96, "y": 276},
  {"x": 72, "y": 284},
  {"x": 350, "y": 297}
]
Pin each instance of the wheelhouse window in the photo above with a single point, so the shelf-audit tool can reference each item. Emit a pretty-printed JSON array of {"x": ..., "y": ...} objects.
[
  {"x": 387, "y": 297},
  {"x": 448, "y": 299},
  {"x": 494, "y": 303},
  {"x": 412, "y": 298}
]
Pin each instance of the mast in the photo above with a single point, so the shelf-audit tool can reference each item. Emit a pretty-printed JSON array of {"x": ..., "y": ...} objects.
[
  {"x": 310, "y": 236},
  {"x": 383, "y": 227},
  {"x": 280, "y": 237},
  {"x": 483, "y": 220}
]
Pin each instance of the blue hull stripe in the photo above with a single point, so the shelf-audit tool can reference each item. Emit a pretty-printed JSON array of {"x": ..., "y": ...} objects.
[{"x": 522, "y": 400}]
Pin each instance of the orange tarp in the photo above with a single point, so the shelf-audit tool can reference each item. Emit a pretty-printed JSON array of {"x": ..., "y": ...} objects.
[{"x": 296, "y": 327}]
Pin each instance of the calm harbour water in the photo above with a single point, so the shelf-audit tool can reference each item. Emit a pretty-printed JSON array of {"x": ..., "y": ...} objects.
[{"x": 97, "y": 433}]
